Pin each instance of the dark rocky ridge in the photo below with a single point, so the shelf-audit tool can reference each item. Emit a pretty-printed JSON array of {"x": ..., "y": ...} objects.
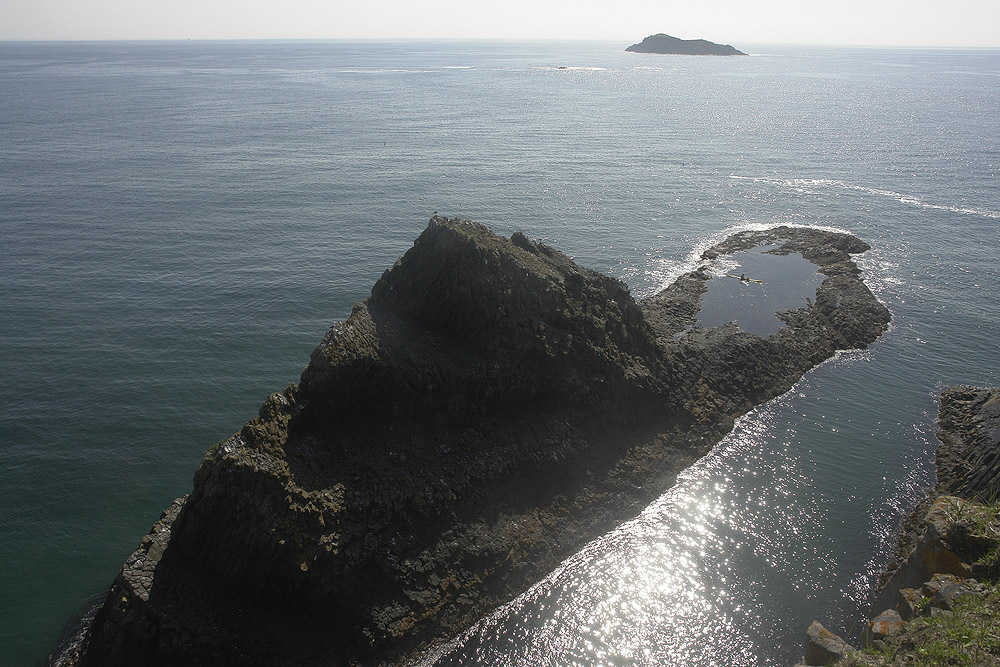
[
  {"x": 486, "y": 412},
  {"x": 665, "y": 44},
  {"x": 968, "y": 460}
]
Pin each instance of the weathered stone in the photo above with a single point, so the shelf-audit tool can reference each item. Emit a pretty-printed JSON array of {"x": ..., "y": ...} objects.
[
  {"x": 968, "y": 460},
  {"x": 824, "y": 647},
  {"x": 950, "y": 593},
  {"x": 910, "y": 604},
  {"x": 932, "y": 554},
  {"x": 937, "y": 554},
  {"x": 885, "y": 624},
  {"x": 935, "y": 583}
]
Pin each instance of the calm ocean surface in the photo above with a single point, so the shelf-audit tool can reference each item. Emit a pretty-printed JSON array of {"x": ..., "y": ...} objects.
[{"x": 181, "y": 222}]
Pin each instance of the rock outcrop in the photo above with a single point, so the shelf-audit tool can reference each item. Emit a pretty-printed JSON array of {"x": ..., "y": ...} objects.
[
  {"x": 968, "y": 460},
  {"x": 933, "y": 603},
  {"x": 661, "y": 43},
  {"x": 489, "y": 409},
  {"x": 968, "y": 470}
]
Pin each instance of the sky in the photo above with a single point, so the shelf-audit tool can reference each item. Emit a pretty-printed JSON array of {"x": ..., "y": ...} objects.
[{"x": 933, "y": 23}]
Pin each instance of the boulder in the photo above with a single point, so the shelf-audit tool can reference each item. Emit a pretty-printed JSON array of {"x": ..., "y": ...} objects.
[
  {"x": 911, "y": 603},
  {"x": 823, "y": 647},
  {"x": 885, "y": 624}
]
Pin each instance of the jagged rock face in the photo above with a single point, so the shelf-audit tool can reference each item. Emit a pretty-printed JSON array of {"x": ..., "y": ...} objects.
[
  {"x": 436, "y": 389},
  {"x": 968, "y": 461},
  {"x": 468, "y": 323},
  {"x": 486, "y": 412},
  {"x": 948, "y": 536}
]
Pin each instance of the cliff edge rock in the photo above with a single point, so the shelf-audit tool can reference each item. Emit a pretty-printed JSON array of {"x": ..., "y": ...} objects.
[{"x": 488, "y": 410}]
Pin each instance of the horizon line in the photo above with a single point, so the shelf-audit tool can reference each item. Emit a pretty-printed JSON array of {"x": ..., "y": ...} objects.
[{"x": 467, "y": 40}]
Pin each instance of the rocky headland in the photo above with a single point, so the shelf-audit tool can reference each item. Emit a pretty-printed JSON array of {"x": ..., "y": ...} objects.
[
  {"x": 486, "y": 412},
  {"x": 938, "y": 600},
  {"x": 661, "y": 43}
]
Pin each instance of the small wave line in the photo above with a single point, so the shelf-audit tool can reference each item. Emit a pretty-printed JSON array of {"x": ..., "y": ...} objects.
[{"x": 913, "y": 200}]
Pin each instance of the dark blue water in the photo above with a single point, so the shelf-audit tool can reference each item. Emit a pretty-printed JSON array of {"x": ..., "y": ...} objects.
[{"x": 181, "y": 223}]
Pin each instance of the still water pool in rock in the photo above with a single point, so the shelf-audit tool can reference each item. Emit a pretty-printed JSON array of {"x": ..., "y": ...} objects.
[{"x": 775, "y": 283}]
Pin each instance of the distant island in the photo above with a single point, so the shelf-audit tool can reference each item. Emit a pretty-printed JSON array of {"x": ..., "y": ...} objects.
[{"x": 661, "y": 43}]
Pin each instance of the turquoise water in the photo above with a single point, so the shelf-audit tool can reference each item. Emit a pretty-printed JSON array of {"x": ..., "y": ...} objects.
[{"x": 181, "y": 223}]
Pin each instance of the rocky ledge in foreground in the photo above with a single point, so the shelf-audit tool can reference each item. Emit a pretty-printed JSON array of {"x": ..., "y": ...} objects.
[
  {"x": 488, "y": 410},
  {"x": 661, "y": 43}
]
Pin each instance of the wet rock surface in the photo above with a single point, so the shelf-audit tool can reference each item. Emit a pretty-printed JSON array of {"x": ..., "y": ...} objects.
[{"x": 487, "y": 411}]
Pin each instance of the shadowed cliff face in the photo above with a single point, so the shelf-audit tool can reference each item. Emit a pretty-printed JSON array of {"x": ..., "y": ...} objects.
[
  {"x": 486, "y": 412},
  {"x": 968, "y": 461},
  {"x": 467, "y": 324}
]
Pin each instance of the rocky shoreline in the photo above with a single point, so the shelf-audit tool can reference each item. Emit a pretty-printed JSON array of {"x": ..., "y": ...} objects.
[
  {"x": 944, "y": 550},
  {"x": 486, "y": 412}
]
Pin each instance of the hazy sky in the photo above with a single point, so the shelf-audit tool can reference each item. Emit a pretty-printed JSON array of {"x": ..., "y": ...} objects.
[{"x": 965, "y": 23}]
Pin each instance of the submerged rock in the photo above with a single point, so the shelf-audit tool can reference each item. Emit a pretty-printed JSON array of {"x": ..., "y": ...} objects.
[{"x": 488, "y": 410}]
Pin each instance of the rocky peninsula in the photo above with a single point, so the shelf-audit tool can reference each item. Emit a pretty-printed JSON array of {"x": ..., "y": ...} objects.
[
  {"x": 661, "y": 43},
  {"x": 487, "y": 411}
]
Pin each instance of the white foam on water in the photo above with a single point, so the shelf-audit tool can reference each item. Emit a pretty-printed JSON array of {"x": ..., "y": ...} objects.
[
  {"x": 812, "y": 185},
  {"x": 669, "y": 271}
]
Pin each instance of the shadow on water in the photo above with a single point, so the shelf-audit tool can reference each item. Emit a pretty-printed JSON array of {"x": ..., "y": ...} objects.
[{"x": 785, "y": 282}]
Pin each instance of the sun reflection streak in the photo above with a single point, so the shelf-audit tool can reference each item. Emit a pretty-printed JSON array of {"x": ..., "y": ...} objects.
[{"x": 690, "y": 581}]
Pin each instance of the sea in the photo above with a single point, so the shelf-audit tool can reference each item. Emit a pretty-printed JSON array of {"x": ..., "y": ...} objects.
[{"x": 181, "y": 222}]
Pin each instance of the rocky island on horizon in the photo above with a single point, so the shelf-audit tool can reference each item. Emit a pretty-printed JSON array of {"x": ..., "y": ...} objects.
[
  {"x": 665, "y": 44},
  {"x": 486, "y": 412}
]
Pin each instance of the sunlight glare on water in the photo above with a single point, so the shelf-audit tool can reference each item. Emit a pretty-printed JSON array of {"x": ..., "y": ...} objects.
[{"x": 689, "y": 581}]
